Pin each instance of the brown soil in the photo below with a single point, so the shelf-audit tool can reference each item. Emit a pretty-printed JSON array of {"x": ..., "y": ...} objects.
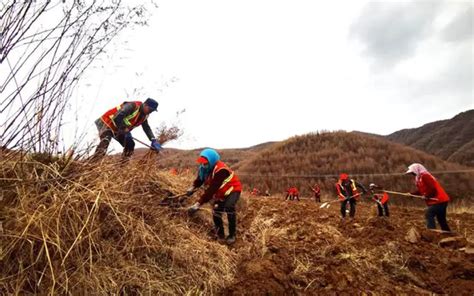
[{"x": 293, "y": 248}]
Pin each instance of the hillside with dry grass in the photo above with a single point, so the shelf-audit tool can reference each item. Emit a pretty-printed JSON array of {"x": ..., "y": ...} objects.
[
  {"x": 186, "y": 159},
  {"x": 320, "y": 157},
  {"x": 81, "y": 228},
  {"x": 451, "y": 140},
  {"x": 97, "y": 229}
]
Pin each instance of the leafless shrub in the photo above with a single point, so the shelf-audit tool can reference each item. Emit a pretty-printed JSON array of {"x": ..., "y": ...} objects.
[{"x": 45, "y": 48}]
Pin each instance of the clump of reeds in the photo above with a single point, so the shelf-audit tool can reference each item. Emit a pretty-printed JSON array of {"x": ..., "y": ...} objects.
[{"x": 83, "y": 228}]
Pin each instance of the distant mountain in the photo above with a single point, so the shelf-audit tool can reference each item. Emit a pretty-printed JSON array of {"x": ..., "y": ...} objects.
[
  {"x": 451, "y": 139},
  {"x": 320, "y": 157}
]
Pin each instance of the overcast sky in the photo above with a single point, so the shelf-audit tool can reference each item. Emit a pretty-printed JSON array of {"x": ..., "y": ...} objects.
[{"x": 248, "y": 72}]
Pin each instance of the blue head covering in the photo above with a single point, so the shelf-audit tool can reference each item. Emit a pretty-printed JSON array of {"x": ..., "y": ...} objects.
[{"x": 212, "y": 157}]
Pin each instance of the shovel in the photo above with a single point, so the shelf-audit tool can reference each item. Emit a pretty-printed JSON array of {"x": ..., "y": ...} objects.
[
  {"x": 379, "y": 202},
  {"x": 175, "y": 200},
  {"x": 171, "y": 200},
  {"x": 328, "y": 203},
  {"x": 408, "y": 194},
  {"x": 145, "y": 144}
]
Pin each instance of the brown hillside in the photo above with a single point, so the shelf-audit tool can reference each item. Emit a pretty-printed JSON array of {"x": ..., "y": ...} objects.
[
  {"x": 186, "y": 159},
  {"x": 320, "y": 157},
  {"x": 451, "y": 139}
]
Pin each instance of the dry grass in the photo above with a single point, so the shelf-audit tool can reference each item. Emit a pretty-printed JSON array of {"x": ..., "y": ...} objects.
[
  {"x": 261, "y": 231},
  {"x": 462, "y": 206},
  {"x": 97, "y": 229}
]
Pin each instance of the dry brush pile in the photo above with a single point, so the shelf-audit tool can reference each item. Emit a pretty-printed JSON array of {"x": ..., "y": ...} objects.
[{"x": 72, "y": 227}]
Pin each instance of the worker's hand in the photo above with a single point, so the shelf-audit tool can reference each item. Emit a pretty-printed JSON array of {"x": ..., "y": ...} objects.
[
  {"x": 194, "y": 208},
  {"x": 190, "y": 191},
  {"x": 155, "y": 145}
]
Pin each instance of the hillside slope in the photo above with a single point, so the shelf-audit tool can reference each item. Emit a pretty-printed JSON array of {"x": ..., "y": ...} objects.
[
  {"x": 320, "y": 157},
  {"x": 451, "y": 139},
  {"x": 186, "y": 159}
]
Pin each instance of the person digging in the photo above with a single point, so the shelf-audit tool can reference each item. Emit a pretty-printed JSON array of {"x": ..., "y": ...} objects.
[
  {"x": 223, "y": 186},
  {"x": 118, "y": 123},
  {"x": 434, "y": 195},
  {"x": 381, "y": 199},
  {"x": 347, "y": 191},
  {"x": 317, "y": 192}
]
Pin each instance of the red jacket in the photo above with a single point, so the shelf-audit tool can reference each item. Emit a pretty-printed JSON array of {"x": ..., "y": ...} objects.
[
  {"x": 428, "y": 186},
  {"x": 383, "y": 198},
  {"x": 317, "y": 190},
  {"x": 293, "y": 191}
]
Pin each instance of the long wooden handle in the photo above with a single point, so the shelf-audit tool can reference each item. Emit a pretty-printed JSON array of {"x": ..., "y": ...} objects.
[{"x": 406, "y": 194}]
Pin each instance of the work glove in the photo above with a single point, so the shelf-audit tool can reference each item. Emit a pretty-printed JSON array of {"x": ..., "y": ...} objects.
[
  {"x": 155, "y": 145},
  {"x": 190, "y": 191},
  {"x": 194, "y": 208}
]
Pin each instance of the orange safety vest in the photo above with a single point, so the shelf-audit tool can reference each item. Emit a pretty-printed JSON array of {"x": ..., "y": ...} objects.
[
  {"x": 441, "y": 195},
  {"x": 131, "y": 121},
  {"x": 230, "y": 184},
  {"x": 383, "y": 198},
  {"x": 340, "y": 189}
]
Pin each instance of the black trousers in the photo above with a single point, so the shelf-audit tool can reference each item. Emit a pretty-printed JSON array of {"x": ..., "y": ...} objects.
[
  {"x": 226, "y": 206},
  {"x": 352, "y": 211},
  {"x": 317, "y": 198},
  {"x": 383, "y": 209},
  {"x": 438, "y": 211},
  {"x": 106, "y": 134}
]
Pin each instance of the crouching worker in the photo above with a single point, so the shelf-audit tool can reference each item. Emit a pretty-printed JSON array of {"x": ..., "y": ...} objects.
[
  {"x": 118, "y": 123},
  {"x": 223, "y": 186},
  {"x": 381, "y": 199},
  {"x": 435, "y": 197}
]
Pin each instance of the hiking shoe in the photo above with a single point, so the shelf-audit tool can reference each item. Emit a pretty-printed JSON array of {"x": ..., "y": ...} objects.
[{"x": 230, "y": 240}]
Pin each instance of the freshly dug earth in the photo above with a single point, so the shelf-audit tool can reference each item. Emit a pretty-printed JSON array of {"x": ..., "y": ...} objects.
[{"x": 293, "y": 248}]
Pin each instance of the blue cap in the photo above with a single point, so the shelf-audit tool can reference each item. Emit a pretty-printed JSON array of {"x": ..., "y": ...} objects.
[{"x": 152, "y": 104}]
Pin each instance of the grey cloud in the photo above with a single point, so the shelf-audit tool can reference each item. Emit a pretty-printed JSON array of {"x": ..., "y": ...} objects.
[
  {"x": 452, "y": 86},
  {"x": 454, "y": 81},
  {"x": 461, "y": 28},
  {"x": 391, "y": 31}
]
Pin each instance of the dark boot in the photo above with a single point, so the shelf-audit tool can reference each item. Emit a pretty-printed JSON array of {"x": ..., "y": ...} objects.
[
  {"x": 219, "y": 225},
  {"x": 232, "y": 218}
]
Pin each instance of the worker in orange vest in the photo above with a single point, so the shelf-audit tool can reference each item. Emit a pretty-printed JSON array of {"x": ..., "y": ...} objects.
[
  {"x": 292, "y": 193},
  {"x": 223, "y": 186},
  {"x": 381, "y": 199},
  {"x": 347, "y": 191},
  {"x": 435, "y": 197},
  {"x": 317, "y": 192},
  {"x": 118, "y": 123}
]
